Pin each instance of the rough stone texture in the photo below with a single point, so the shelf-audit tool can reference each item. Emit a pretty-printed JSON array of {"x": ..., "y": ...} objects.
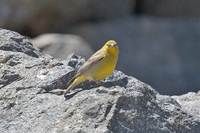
[
  {"x": 190, "y": 102},
  {"x": 171, "y": 8},
  {"x": 162, "y": 52},
  {"x": 61, "y": 45},
  {"x": 47, "y": 15},
  {"x": 30, "y": 99},
  {"x": 16, "y": 43}
]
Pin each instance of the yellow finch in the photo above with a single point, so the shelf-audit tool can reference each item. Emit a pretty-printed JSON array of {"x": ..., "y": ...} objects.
[{"x": 100, "y": 65}]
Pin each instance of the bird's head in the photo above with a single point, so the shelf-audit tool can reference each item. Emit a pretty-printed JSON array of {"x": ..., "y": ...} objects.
[{"x": 111, "y": 46}]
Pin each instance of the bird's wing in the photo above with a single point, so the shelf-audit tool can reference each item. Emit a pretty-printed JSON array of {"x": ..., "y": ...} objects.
[{"x": 94, "y": 59}]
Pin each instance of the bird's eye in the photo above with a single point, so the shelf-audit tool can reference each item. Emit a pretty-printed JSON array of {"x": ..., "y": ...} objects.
[{"x": 110, "y": 45}]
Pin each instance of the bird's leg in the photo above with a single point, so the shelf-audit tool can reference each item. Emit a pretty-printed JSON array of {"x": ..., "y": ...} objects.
[{"x": 71, "y": 92}]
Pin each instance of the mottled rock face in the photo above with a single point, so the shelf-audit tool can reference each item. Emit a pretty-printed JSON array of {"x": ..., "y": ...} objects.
[
  {"x": 16, "y": 43},
  {"x": 190, "y": 102},
  {"x": 31, "y": 100}
]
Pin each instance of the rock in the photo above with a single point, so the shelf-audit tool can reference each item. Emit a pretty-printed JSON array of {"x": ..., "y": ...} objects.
[
  {"x": 34, "y": 17},
  {"x": 157, "y": 51},
  {"x": 60, "y": 45},
  {"x": 16, "y": 43},
  {"x": 30, "y": 99},
  {"x": 190, "y": 102},
  {"x": 171, "y": 8}
]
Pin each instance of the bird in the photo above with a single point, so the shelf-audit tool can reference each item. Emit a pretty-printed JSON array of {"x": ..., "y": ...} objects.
[{"x": 99, "y": 66}]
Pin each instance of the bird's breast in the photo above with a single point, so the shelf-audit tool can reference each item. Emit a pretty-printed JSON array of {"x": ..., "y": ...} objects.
[{"x": 104, "y": 68}]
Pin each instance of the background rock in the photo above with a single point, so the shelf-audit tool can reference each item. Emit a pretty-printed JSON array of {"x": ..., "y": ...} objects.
[
  {"x": 34, "y": 17},
  {"x": 161, "y": 52},
  {"x": 60, "y": 45},
  {"x": 121, "y": 104},
  {"x": 170, "y": 8}
]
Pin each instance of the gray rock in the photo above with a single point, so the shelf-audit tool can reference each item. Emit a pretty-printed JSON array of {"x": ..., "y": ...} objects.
[
  {"x": 157, "y": 51},
  {"x": 36, "y": 17},
  {"x": 60, "y": 45},
  {"x": 16, "y": 43},
  {"x": 190, "y": 102},
  {"x": 31, "y": 102},
  {"x": 171, "y": 8}
]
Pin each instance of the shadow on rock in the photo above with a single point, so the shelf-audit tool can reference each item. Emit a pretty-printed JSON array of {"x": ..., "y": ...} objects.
[{"x": 91, "y": 84}]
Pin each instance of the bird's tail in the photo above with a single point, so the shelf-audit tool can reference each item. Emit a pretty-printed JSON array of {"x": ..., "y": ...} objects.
[{"x": 76, "y": 80}]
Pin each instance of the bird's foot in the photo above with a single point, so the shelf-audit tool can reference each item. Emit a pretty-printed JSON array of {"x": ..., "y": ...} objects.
[
  {"x": 69, "y": 94},
  {"x": 57, "y": 92}
]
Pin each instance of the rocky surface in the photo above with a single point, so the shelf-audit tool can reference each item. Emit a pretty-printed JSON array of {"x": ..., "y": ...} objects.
[
  {"x": 31, "y": 85},
  {"x": 190, "y": 102},
  {"x": 161, "y": 52},
  {"x": 34, "y": 17},
  {"x": 62, "y": 45}
]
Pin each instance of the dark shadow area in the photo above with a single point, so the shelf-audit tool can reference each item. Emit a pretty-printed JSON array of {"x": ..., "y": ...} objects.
[
  {"x": 91, "y": 84},
  {"x": 138, "y": 7},
  {"x": 87, "y": 86}
]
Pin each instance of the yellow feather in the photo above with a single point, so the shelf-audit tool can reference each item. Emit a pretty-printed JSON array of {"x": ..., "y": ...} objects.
[
  {"x": 75, "y": 81},
  {"x": 100, "y": 65}
]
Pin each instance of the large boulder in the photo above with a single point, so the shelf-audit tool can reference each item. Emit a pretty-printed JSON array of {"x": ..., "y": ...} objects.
[
  {"x": 61, "y": 45},
  {"x": 171, "y": 8},
  {"x": 34, "y": 17},
  {"x": 161, "y": 52},
  {"x": 30, "y": 98}
]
